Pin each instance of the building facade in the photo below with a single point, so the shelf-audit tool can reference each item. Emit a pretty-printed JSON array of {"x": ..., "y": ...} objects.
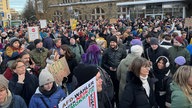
[
  {"x": 5, "y": 10},
  {"x": 94, "y": 9}
]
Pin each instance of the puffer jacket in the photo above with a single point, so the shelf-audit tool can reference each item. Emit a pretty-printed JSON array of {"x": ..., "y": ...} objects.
[{"x": 52, "y": 101}]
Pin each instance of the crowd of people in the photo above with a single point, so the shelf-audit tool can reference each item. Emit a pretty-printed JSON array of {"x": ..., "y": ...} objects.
[{"x": 141, "y": 63}]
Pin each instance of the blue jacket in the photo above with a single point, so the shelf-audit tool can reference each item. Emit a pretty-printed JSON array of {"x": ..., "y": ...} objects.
[
  {"x": 52, "y": 102},
  {"x": 17, "y": 102}
]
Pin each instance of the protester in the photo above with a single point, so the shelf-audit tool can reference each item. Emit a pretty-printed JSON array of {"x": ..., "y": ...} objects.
[
  {"x": 161, "y": 70},
  {"x": 122, "y": 69},
  {"x": 48, "y": 94},
  {"x": 85, "y": 72},
  {"x": 181, "y": 96},
  {"x": 7, "y": 98},
  {"x": 139, "y": 91},
  {"x": 22, "y": 83}
]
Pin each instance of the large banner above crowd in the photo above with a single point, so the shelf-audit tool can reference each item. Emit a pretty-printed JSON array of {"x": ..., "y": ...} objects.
[{"x": 83, "y": 97}]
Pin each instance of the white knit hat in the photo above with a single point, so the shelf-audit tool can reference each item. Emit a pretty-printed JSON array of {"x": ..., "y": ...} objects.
[
  {"x": 137, "y": 50},
  {"x": 45, "y": 77}
]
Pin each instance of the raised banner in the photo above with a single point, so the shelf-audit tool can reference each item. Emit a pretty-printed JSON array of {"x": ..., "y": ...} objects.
[
  {"x": 33, "y": 33},
  {"x": 113, "y": 21},
  {"x": 43, "y": 23},
  {"x": 83, "y": 97},
  {"x": 59, "y": 70},
  {"x": 188, "y": 22},
  {"x": 73, "y": 24}
]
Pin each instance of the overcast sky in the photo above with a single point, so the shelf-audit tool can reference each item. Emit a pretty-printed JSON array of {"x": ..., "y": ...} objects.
[{"x": 17, "y": 4}]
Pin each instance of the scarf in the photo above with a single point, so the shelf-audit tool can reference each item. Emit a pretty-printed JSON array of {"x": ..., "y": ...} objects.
[
  {"x": 7, "y": 100},
  {"x": 145, "y": 84},
  {"x": 48, "y": 93}
]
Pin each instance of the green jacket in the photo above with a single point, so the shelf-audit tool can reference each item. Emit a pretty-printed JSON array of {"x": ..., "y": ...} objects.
[
  {"x": 175, "y": 52},
  {"x": 77, "y": 50},
  {"x": 39, "y": 57},
  {"x": 178, "y": 98}
]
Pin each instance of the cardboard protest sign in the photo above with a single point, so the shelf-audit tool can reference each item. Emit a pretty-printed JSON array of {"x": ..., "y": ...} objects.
[
  {"x": 188, "y": 22},
  {"x": 59, "y": 70},
  {"x": 113, "y": 21},
  {"x": 83, "y": 97},
  {"x": 43, "y": 23},
  {"x": 33, "y": 33}
]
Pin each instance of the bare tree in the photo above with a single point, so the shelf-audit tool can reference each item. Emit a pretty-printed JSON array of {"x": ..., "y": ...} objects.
[{"x": 29, "y": 11}]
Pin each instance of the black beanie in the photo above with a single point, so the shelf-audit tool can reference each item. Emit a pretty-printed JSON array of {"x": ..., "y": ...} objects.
[
  {"x": 154, "y": 41},
  {"x": 36, "y": 41},
  {"x": 113, "y": 38},
  {"x": 85, "y": 72}
]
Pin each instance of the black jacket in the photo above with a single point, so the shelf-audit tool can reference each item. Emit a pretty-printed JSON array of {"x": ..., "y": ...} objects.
[
  {"x": 112, "y": 58},
  {"x": 25, "y": 90},
  {"x": 134, "y": 95}
]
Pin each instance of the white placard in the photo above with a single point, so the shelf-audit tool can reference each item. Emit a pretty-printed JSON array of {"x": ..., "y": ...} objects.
[
  {"x": 83, "y": 97},
  {"x": 33, "y": 33},
  {"x": 43, "y": 23}
]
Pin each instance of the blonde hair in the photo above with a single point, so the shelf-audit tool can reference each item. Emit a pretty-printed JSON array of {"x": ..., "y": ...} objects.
[{"x": 181, "y": 77}]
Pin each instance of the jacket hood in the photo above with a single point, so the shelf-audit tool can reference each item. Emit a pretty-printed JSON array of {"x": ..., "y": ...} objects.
[{"x": 174, "y": 87}]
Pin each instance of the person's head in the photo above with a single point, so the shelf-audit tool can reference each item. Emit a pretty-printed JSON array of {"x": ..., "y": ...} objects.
[
  {"x": 72, "y": 41},
  {"x": 154, "y": 43},
  {"x": 183, "y": 78},
  {"x": 113, "y": 42},
  {"x": 38, "y": 43},
  {"x": 15, "y": 42},
  {"x": 184, "y": 34},
  {"x": 140, "y": 67},
  {"x": 18, "y": 67},
  {"x": 92, "y": 55},
  {"x": 85, "y": 72},
  {"x": 25, "y": 57},
  {"x": 136, "y": 42},
  {"x": 162, "y": 62},
  {"x": 177, "y": 41},
  {"x": 46, "y": 80},
  {"x": 57, "y": 42},
  {"x": 4, "y": 34},
  {"x": 137, "y": 50},
  {"x": 53, "y": 55},
  {"x": 180, "y": 61},
  {"x": 3, "y": 89},
  {"x": 67, "y": 52}
]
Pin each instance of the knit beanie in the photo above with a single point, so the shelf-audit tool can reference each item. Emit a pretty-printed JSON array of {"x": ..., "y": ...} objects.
[
  {"x": 180, "y": 60},
  {"x": 3, "y": 82},
  {"x": 154, "y": 41},
  {"x": 36, "y": 41},
  {"x": 45, "y": 77},
  {"x": 137, "y": 50},
  {"x": 136, "y": 42},
  {"x": 14, "y": 39},
  {"x": 113, "y": 38},
  {"x": 85, "y": 72},
  {"x": 179, "y": 39}
]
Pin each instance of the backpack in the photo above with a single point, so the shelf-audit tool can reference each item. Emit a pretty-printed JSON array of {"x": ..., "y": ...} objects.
[{"x": 107, "y": 85}]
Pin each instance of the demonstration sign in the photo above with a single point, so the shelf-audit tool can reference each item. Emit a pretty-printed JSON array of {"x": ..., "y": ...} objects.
[
  {"x": 59, "y": 70},
  {"x": 33, "y": 33},
  {"x": 43, "y": 23},
  {"x": 188, "y": 22},
  {"x": 83, "y": 97}
]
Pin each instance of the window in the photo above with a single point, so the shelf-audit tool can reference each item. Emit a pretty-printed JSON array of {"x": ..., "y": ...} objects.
[
  {"x": 57, "y": 15},
  {"x": 98, "y": 12}
]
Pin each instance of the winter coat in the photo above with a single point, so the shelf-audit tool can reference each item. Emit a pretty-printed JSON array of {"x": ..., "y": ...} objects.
[
  {"x": 176, "y": 51},
  {"x": 48, "y": 43},
  {"x": 178, "y": 98},
  {"x": 39, "y": 57},
  {"x": 77, "y": 50},
  {"x": 134, "y": 95},
  {"x": 103, "y": 100},
  {"x": 17, "y": 102},
  {"x": 122, "y": 71},
  {"x": 52, "y": 101},
  {"x": 112, "y": 58},
  {"x": 162, "y": 86},
  {"x": 25, "y": 90},
  {"x": 152, "y": 55},
  {"x": 11, "y": 53}
]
